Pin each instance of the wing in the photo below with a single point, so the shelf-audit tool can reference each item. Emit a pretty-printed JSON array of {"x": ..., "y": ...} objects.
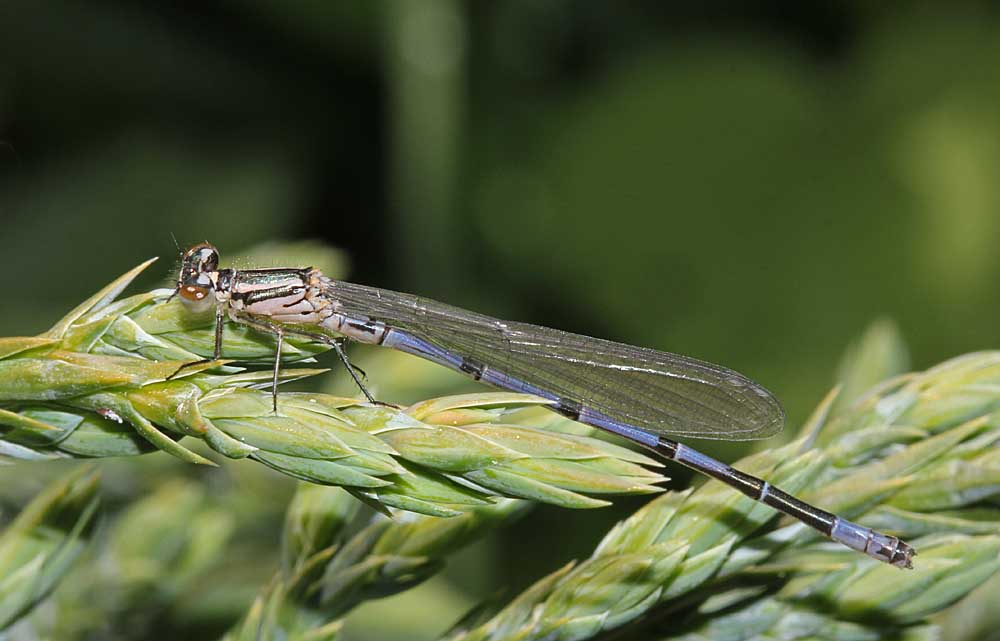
[{"x": 656, "y": 391}]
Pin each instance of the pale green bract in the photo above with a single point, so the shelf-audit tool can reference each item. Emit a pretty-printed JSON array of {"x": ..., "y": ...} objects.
[
  {"x": 139, "y": 359},
  {"x": 915, "y": 455},
  {"x": 41, "y": 544}
]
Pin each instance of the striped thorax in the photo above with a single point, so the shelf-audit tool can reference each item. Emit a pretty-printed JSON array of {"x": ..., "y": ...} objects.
[{"x": 280, "y": 296}]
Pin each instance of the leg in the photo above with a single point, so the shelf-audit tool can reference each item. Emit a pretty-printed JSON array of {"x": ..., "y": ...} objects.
[
  {"x": 280, "y": 337},
  {"x": 219, "y": 323},
  {"x": 336, "y": 344},
  {"x": 353, "y": 373},
  {"x": 279, "y": 331},
  {"x": 217, "y": 349}
]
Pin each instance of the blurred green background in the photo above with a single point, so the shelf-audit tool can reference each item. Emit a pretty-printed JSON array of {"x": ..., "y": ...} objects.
[{"x": 751, "y": 184}]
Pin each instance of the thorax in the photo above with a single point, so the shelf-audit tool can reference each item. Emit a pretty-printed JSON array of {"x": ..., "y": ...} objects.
[{"x": 284, "y": 295}]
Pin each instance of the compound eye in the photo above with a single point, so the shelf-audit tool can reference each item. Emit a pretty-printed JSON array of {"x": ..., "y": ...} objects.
[
  {"x": 202, "y": 258},
  {"x": 209, "y": 259},
  {"x": 196, "y": 293},
  {"x": 196, "y": 280},
  {"x": 193, "y": 293}
]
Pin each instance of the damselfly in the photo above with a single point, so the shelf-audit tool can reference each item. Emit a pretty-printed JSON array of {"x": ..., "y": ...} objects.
[{"x": 640, "y": 394}]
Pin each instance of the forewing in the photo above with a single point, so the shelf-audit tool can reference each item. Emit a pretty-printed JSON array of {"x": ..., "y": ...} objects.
[{"x": 657, "y": 391}]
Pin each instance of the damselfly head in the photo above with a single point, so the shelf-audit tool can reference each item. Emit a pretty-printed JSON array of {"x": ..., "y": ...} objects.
[{"x": 198, "y": 276}]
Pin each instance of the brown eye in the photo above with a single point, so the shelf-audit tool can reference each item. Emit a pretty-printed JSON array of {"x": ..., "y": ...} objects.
[{"x": 193, "y": 293}]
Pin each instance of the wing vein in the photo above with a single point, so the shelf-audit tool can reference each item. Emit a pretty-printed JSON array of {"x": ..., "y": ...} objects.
[{"x": 656, "y": 391}]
